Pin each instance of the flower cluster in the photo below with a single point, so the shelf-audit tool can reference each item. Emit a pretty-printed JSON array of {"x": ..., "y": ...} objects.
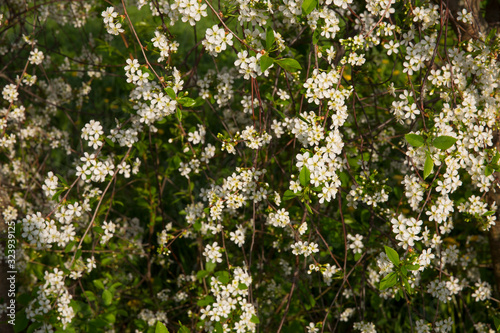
[
  {"x": 304, "y": 248},
  {"x": 407, "y": 231},
  {"x": 165, "y": 46},
  {"x": 213, "y": 253},
  {"x": 216, "y": 40},
  {"x": 230, "y": 300},
  {"x": 36, "y": 57},
  {"x": 249, "y": 66},
  {"x": 113, "y": 27},
  {"x": 53, "y": 290}
]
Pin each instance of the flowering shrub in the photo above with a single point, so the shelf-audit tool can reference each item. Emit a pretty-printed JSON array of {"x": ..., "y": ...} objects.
[{"x": 250, "y": 166}]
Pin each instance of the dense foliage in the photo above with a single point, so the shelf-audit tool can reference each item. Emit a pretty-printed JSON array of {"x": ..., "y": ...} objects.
[{"x": 249, "y": 165}]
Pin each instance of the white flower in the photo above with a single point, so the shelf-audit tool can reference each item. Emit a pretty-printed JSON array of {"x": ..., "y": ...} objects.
[
  {"x": 392, "y": 47},
  {"x": 36, "y": 57},
  {"x": 212, "y": 253}
]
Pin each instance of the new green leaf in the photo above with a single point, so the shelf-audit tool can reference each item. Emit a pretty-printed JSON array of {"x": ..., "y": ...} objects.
[
  {"x": 160, "y": 327},
  {"x": 184, "y": 329},
  {"x": 107, "y": 297},
  {"x": 178, "y": 113},
  {"x": 187, "y": 102},
  {"x": 415, "y": 140},
  {"x": 392, "y": 255},
  {"x": 170, "y": 92},
  {"x": 205, "y": 301},
  {"x": 289, "y": 195},
  {"x": 444, "y": 142},
  {"x": 308, "y": 6},
  {"x": 316, "y": 36},
  {"x": 265, "y": 62},
  {"x": 388, "y": 281},
  {"x": 428, "y": 166},
  {"x": 495, "y": 158},
  {"x": 98, "y": 284},
  {"x": 289, "y": 64},
  {"x": 496, "y": 321},
  {"x": 412, "y": 267},
  {"x": 269, "y": 38},
  {"x": 488, "y": 171},
  {"x": 309, "y": 208},
  {"x": 223, "y": 276},
  {"x": 305, "y": 176}
]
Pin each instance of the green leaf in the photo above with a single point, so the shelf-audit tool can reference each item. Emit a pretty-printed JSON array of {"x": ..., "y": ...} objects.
[
  {"x": 223, "y": 276},
  {"x": 21, "y": 321},
  {"x": 218, "y": 327},
  {"x": 265, "y": 62},
  {"x": 98, "y": 284},
  {"x": 210, "y": 266},
  {"x": 316, "y": 36},
  {"x": 69, "y": 247},
  {"x": 303, "y": 119},
  {"x": 415, "y": 140},
  {"x": 444, "y": 142},
  {"x": 495, "y": 158},
  {"x": 412, "y": 267},
  {"x": 197, "y": 226},
  {"x": 289, "y": 195},
  {"x": 280, "y": 113},
  {"x": 63, "y": 181},
  {"x": 198, "y": 102},
  {"x": 488, "y": 171},
  {"x": 114, "y": 286},
  {"x": 97, "y": 323},
  {"x": 428, "y": 166},
  {"x": 305, "y": 176},
  {"x": 491, "y": 34},
  {"x": 58, "y": 193},
  {"x": 255, "y": 319},
  {"x": 201, "y": 274},
  {"x": 160, "y": 327},
  {"x": 183, "y": 329},
  {"x": 269, "y": 39},
  {"x": 78, "y": 254},
  {"x": 90, "y": 295},
  {"x": 107, "y": 297},
  {"x": 289, "y": 64},
  {"x": 110, "y": 318},
  {"x": 388, "y": 281},
  {"x": 23, "y": 299},
  {"x": 109, "y": 142},
  {"x": 496, "y": 321},
  {"x": 407, "y": 286},
  {"x": 178, "y": 114},
  {"x": 309, "y": 208},
  {"x": 33, "y": 327},
  {"x": 205, "y": 301},
  {"x": 392, "y": 255},
  {"x": 242, "y": 286},
  {"x": 187, "y": 102},
  {"x": 308, "y": 6},
  {"x": 170, "y": 92}
]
